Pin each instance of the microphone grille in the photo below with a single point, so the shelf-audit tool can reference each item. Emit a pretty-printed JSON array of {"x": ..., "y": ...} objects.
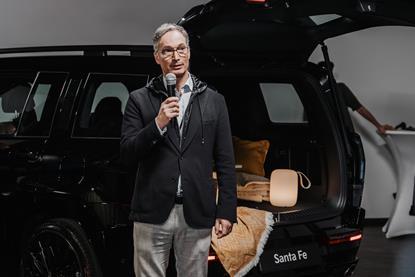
[{"x": 171, "y": 79}]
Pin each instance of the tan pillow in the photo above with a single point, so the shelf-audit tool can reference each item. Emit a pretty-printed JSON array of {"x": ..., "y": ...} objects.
[{"x": 251, "y": 155}]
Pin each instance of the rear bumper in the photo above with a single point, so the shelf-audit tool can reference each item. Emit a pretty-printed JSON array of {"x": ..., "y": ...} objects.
[{"x": 336, "y": 249}]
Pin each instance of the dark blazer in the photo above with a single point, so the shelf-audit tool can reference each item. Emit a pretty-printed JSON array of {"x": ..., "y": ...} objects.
[{"x": 206, "y": 144}]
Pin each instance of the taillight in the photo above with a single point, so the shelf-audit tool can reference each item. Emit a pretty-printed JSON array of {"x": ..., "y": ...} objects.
[
  {"x": 343, "y": 238},
  {"x": 357, "y": 237},
  {"x": 212, "y": 258},
  {"x": 256, "y": 1}
]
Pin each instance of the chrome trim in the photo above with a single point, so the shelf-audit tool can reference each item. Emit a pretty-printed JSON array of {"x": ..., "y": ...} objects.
[
  {"x": 58, "y": 104},
  {"x": 70, "y": 50},
  {"x": 24, "y": 107}
]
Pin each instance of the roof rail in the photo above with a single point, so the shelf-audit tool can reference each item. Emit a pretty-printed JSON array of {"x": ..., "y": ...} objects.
[{"x": 86, "y": 50}]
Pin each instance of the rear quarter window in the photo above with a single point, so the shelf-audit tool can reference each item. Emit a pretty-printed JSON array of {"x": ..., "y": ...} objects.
[{"x": 283, "y": 103}]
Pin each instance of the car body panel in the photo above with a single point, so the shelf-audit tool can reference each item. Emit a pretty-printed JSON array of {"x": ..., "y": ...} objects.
[{"x": 285, "y": 31}]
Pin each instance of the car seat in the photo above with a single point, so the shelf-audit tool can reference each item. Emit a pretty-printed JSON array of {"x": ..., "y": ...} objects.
[{"x": 107, "y": 119}]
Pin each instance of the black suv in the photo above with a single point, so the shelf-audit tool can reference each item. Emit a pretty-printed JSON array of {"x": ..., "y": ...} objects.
[{"x": 64, "y": 194}]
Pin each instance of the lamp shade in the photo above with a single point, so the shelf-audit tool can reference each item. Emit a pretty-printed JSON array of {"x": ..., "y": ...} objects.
[{"x": 284, "y": 187}]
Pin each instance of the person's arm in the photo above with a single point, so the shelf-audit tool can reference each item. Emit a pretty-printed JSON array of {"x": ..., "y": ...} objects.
[
  {"x": 138, "y": 139},
  {"x": 225, "y": 168},
  {"x": 355, "y": 105},
  {"x": 371, "y": 118}
]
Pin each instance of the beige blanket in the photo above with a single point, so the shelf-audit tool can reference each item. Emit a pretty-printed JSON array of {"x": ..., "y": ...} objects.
[
  {"x": 254, "y": 191},
  {"x": 239, "y": 251},
  {"x": 249, "y": 187}
]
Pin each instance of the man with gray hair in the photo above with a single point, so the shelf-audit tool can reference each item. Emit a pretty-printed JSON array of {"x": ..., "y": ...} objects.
[{"x": 174, "y": 140}]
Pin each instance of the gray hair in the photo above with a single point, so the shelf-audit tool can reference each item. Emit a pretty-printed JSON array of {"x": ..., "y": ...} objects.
[{"x": 165, "y": 28}]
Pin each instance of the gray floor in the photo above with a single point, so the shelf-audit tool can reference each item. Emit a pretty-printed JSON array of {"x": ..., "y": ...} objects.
[{"x": 381, "y": 257}]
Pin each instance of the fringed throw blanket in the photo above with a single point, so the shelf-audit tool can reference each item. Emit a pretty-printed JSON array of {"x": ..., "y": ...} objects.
[{"x": 239, "y": 251}]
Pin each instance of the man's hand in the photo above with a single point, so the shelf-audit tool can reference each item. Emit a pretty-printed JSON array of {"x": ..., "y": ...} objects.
[
  {"x": 168, "y": 110},
  {"x": 383, "y": 128},
  {"x": 222, "y": 227}
]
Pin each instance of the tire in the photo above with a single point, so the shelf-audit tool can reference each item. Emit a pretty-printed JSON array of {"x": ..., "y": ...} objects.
[{"x": 58, "y": 248}]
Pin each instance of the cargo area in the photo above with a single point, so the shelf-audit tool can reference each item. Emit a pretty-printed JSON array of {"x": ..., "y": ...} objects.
[{"x": 279, "y": 120}]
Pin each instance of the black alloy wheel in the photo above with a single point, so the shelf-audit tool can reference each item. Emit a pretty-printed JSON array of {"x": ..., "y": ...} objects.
[{"x": 58, "y": 248}]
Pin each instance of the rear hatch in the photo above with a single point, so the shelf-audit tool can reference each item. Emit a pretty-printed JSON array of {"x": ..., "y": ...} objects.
[
  {"x": 259, "y": 35},
  {"x": 285, "y": 30}
]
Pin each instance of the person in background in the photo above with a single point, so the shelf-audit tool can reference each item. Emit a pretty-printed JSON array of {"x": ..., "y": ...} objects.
[
  {"x": 353, "y": 103},
  {"x": 176, "y": 142}
]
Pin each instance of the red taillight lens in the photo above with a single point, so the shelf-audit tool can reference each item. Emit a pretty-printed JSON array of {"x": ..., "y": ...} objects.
[
  {"x": 256, "y": 1},
  {"x": 351, "y": 237},
  {"x": 357, "y": 237},
  {"x": 212, "y": 258}
]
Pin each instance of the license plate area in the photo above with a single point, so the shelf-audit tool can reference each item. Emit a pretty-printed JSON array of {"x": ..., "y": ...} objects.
[{"x": 289, "y": 258}]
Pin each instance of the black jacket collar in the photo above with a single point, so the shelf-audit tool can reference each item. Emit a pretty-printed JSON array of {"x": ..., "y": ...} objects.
[
  {"x": 190, "y": 124},
  {"x": 157, "y": 86}
]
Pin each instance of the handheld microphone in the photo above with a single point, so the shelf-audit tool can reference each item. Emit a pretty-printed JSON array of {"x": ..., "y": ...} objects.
[
  {"x": 171, "y": 91},
  {"x": 171, "y": 84}
]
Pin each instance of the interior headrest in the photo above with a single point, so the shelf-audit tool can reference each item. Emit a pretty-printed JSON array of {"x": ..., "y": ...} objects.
[
  {"x": 108, "y": 105},
  {"x": 15, "y": 97}
]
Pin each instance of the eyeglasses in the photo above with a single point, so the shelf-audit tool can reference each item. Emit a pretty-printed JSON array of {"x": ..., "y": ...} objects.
[{"x": 167, "y": 53}]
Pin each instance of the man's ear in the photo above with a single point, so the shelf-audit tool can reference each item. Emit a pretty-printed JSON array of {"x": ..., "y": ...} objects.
[{"x": 156, "y": 58}]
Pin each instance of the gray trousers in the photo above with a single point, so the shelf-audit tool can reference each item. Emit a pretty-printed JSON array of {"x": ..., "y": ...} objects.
[{"x": 152, "y": 244}]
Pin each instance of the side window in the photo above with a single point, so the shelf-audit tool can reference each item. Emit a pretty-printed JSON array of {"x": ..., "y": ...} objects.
[
  {"x": 40, "y": 107},
  {"x": 283, "y": 103},
  {"x": 102, "y": 106},
  {"x": 13, "y": 95}
]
